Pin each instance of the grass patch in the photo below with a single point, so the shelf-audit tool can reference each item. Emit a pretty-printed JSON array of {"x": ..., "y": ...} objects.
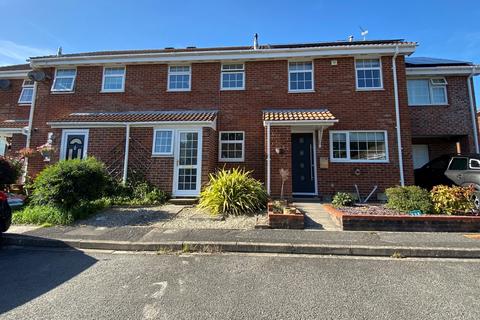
[{"x": 49, "y": 215}]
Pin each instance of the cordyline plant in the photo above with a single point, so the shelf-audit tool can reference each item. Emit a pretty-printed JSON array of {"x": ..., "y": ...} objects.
[{"x": 233, "y": 192}]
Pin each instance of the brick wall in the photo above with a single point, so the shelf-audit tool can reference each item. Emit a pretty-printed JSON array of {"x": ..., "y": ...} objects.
[{"x": 9, "y": 107}]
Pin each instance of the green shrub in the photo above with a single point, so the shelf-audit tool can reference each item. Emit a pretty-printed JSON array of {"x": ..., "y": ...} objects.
[
  {"x": 409, "y": 198},
  {"x": 452, "y": 200},
  {"x": 343, "y": 199},
  {"x": 233, "y": 192},
  {"x": 10, "y": 171},
  {"x": 68, "y": 183},
  {"x": 137, "y": 193}
]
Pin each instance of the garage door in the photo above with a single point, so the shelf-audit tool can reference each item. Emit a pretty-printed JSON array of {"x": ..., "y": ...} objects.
[{"x": 420, "y": 155}]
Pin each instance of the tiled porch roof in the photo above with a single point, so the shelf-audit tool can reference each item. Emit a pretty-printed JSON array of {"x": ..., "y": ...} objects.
[
  {"x": 141, "y": 116},
  {"x": 13, "y": 124},
  {"x": 298, "y": 115}
]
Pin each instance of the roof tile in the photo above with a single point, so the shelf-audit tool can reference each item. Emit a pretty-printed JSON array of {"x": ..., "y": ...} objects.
[{"x": 298, "y": 115}]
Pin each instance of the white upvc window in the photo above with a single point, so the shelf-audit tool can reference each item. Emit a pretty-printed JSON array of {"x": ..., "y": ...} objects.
[
  {"x": 179, "y": 78},
  {"x": 231, "y": 146},
  {"x": 300, "y": 76},
  {"x": 358, "y": 146},
  {"x": 162, "y": 142},
  {"x": 113, "y": 79},
  {"x": 233, "y": 76},
  {"x": 64, "y": 80},
  {"x": 368, "y": 74},
  {"x": 423, "y": 92},
  {"x": 26, "y": 96}
]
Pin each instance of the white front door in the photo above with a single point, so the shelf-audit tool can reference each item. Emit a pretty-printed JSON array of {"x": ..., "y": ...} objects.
[
  {"x": 188, "y": 159},
  {"x": 420, "y": 155}
]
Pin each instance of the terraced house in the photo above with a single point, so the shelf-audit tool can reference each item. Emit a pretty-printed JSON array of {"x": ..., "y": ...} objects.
[{"x": 334, "y": 114}]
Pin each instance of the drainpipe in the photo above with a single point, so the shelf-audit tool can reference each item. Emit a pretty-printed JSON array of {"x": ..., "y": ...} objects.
[
  {"x": 127, "y": 147},
  {"x": 472, "y": 109},
  {"x": 397, "y": 116},
  {"x": 268, "y": 158},
  {"x": 30, "y": 127}
]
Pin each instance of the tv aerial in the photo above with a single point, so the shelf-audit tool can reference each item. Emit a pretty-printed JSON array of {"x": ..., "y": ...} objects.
[{"x": 363, "y": 32}]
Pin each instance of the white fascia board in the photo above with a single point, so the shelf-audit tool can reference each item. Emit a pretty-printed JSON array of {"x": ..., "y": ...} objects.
[
  {"x": 53, "y": 124},
  {"x": 300, "y": 123},
  {"x": 207, "y": 56},
  {"x": 446, "y": 70},
  {"x": 14, "y": 74},
  {"x": 10, "y": 130}
]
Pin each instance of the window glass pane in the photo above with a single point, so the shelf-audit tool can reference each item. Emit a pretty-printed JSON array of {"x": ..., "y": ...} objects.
[
  {"x": 113, "y": 83},
  {"x": 458, "y": 164},
  {"x": 418, "y": 92},
  {"x": 63, "y": 84},
  {"x": 114, "y": 71},
  {"x": 339, "y": 145},
  {"x": 163, "y": 142},
  {"x": 65, "y": 73},
  {"x": 438, "y": 95},
  {"x": 26, "y": 96}
]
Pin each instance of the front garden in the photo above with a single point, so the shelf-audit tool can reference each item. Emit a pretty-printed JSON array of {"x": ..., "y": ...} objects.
[{"x": 411, "y": 208}]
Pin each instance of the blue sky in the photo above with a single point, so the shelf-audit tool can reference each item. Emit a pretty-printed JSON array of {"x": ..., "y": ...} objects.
[{"x": 447, "y": 29}]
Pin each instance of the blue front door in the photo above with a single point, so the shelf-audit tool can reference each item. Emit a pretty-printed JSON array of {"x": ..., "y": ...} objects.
[{"x": 303, "y": 168}]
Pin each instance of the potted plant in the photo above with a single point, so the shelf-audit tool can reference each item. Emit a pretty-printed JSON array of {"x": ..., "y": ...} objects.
[{"x": 46, "y": 150}]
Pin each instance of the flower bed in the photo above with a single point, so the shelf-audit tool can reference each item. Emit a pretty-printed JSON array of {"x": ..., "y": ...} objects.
[
  {"x": 283, "y": 216},
  {"x": 379, "y": 218}
]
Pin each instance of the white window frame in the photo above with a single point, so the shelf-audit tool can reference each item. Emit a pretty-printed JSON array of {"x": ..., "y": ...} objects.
[
  {"x": 67, "y": 132},
  {"x": 375, "y": 68},
  {"x": 189, "y": 73},
  {"x": 290, "y": 71},
  {"x": 220, "y": 141},
  {"x": 348, "y": 160},
  {"x": 26, "y": 86},
  {"x": 231, "y": 71},
  {"x": 61, "y": 77},
  {"x": 155, "y": 138},
  {"x": 124, "y": 78},
  {"x": 431, "y": 85}
]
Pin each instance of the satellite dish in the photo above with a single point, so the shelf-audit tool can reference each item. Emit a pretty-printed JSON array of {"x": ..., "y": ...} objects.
[
  {"x": 36, "y": 75},
  {"x": 4, "y": 84}
]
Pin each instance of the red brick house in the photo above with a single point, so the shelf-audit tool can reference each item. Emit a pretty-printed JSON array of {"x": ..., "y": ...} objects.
[{"x": 335, "y": 114}]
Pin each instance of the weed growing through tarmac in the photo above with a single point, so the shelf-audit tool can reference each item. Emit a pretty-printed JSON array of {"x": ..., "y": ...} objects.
[{"x": 397, "y": 255}]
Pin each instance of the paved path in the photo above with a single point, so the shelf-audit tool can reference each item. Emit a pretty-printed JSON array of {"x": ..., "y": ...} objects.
[
  {"x": 316, "y": 218},
  {"x": 84, "y": 285}
]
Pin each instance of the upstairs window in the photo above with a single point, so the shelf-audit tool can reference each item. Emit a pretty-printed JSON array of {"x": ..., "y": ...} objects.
[
  {"x": 300, "y": 76},
  {"x": 232, "y": 146},
  {"x": 233, "y": 77},
  {"x": 113, "y": 79},
  {"x": 369, "y": 74},
  {"x": 179, "y": 78},
  {"x": 26, "y": 96},
  {"x": 64, "y": 80},
  {"x": 358, "y": 146},
  {"x": 427, "y": 91}
]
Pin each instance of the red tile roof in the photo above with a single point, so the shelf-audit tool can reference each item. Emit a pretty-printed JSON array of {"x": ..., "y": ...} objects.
[
  {"x": 298, "y": 115},
  {"x": 13, "y": 124},
  {"x": 15, "y": 67},
  {"x": 141, "y": 116}
]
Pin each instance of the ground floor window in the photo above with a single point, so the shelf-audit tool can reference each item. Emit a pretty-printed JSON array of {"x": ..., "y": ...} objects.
[
  {"x": 163, "y": 142},
  {"x": 232, "y": 146},
  {"x": 74, "y": 144},
  {"x": 358, "y": 146}
]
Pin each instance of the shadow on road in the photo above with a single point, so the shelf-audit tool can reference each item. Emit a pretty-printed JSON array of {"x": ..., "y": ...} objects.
[{"x": 28, "y": 273}]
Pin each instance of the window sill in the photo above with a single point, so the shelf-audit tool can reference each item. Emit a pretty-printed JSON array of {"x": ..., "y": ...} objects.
[
  {"x": 232, "y": 89},
  {"x": 360, "y": 161},
  {"x": 301, "y": 91},
  {"x": 429, "y": 105},
  {"x": 162, "y": 155},
  {"x": 112, "y": 91},
  {"x": 182, "y": 90},
  {"x": 231, "y": 160},
  {"x": 25, "y": 104},
  {"x": 370, "y": 89},
  {"x": 62, "y": 92}
]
